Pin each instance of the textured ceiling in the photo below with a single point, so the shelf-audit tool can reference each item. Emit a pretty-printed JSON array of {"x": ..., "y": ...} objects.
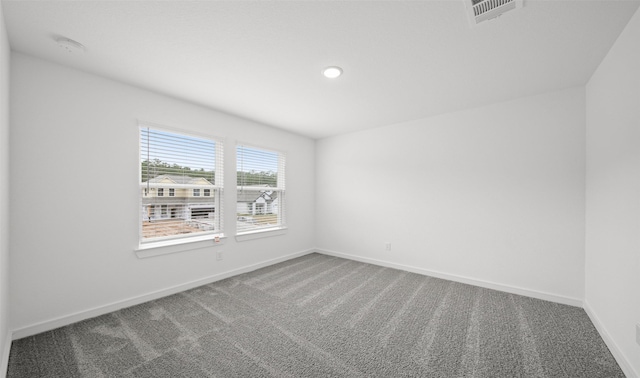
[{"x": 402, "y": 60}]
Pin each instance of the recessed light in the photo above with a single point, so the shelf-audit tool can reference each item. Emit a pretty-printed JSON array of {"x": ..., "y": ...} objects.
[
  {"x": 332, "y": 72},
  {"x": 69, "y": 45}
]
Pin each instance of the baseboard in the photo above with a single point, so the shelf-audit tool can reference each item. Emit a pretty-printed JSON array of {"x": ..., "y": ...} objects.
[
  {"x": 4, "y": 364},
  {"x": 453, "y": 277},
  {"x": 626, "y": 367},
  {"x": 101, "y": 310}
]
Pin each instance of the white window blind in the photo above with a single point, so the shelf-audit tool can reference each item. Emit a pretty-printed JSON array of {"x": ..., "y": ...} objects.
[
  {"x": 261, "y": 189},
  {"x": 184, "y": 165}
]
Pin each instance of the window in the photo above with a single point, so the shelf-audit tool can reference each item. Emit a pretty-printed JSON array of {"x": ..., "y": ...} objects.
[
  {"x": 207, "y": 192},
  {"x": 183, "y": 164},
  {"x": 261, "y": 189}
]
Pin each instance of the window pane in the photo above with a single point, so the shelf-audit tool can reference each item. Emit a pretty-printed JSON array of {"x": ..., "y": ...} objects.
[
  {"x": 184, "y": 165},
  {"x": 257, "y": 167},
  {"x": 260, "y": 200}
]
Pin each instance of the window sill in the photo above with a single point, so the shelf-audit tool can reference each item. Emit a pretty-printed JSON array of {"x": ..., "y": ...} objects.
[
  {"x": 252, "y": 235},
  {"x": 180, "y": 245}
]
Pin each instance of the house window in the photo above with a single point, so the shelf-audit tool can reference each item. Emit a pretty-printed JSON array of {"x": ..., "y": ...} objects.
[
  {"x": 207, "y": 192},
  {"x": 261, "y": 189},
  {"x": 187, "y": 162}
]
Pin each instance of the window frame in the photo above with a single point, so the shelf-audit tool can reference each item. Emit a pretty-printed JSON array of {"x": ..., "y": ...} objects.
[{"x": 180, "y": 242}]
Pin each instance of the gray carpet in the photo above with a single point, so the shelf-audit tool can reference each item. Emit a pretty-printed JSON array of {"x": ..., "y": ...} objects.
[{"x": 321, "y": 316}]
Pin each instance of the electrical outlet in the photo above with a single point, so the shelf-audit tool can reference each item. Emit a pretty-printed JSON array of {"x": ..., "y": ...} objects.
[
  {"x": 387, "y": 246},
  {"x": 219, "y": 255},
  {"x": 638, "y": 334}
]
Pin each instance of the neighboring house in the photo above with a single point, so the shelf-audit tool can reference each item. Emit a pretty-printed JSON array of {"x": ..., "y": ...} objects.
[
  {"x": 177, "y": 197},
  {"x": 256, "y": 202}
]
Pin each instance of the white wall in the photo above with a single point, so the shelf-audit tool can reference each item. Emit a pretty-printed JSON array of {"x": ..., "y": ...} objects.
[
  {"x": 494, "y": 194},
  {"x": 613, "y": 195},
  {"x": 4, "y": 197},
  {"x": 74, "y": 194}
]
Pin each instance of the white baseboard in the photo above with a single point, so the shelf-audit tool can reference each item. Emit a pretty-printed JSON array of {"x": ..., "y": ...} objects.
[
  {"x": 4, "y": 364},
  {"x": 101, "y": 310},
  {"x": 453, "y": 277},
  {"x": 627, "y": 369}
]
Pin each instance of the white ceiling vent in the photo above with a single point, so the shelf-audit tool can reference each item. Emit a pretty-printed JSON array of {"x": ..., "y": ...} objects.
[{"x": 483, "y": 10}]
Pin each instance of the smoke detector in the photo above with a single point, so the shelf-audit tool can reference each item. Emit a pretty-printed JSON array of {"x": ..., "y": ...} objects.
[
  {"x": 69, "y": 45},
  {"x": 483, "y": 10}
]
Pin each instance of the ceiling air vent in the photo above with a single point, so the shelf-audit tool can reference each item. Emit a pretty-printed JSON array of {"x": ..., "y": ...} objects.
[{"x": 483, "y": 10}]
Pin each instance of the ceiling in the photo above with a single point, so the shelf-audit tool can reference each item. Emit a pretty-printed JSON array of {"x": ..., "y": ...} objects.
[{"x": 262, "y": 60}]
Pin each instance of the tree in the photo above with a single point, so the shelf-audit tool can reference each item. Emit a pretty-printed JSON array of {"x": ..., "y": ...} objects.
[
  {"x": 254, "y": 178},
  {"x": 156, "y": 167}
]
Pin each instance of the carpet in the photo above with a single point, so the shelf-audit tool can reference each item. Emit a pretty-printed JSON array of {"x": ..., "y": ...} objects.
[{"x": 323, "y": 316}]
